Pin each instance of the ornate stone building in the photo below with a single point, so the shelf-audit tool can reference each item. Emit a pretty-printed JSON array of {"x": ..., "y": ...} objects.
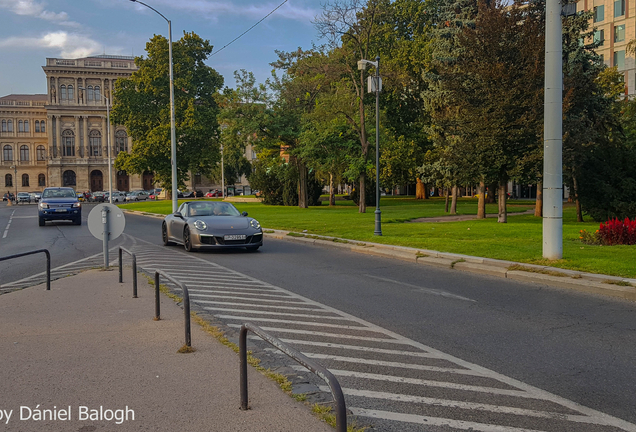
[{"x": 60, "y": 138}]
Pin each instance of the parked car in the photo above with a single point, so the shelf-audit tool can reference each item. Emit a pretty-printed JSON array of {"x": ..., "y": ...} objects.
[
  {"x": 185, "y": 194},
  {"x": 80, "y": 197},
  {"x": 117, "y": 196},
  {"x": 59, "y": 203},
  {"x": 99, "y": 196},
  {"x": 211, "y": 225},
  {"x": 213, "y": 193},
  {"x": 154, "y": 195},
  {"x": 35, "y": 196},
  {"x": 137, "y": 196},
  {"x": 198, "y": 194},
  {"x": 24, "y": 197},
  {"x": 8, "y": 196}
]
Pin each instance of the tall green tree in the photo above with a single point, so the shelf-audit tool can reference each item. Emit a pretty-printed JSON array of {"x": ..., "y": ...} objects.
[{"x": 142, "y": 104}]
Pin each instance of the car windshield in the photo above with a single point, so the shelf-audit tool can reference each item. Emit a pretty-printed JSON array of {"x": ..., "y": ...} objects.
[
  {"x": 58, "y": 193},
  {"x": 212, "y": 209}
]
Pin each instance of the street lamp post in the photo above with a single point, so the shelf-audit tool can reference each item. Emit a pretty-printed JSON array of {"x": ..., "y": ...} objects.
[
  {"x": 375, "y": 84},
  {"x": 15, "y": 177},
  {"x": 222, "y": 175},
  {"x": 173, "y": 139},
  {"x": 110, "y": 164}
]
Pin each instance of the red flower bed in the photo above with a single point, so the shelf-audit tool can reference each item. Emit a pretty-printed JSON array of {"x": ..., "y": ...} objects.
[{"x": 616, "y": 232}]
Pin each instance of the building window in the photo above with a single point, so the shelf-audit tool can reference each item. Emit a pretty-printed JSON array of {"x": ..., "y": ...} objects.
[
  {"x": 619, "y": 33},
  {"x": 42, "y": 126},
  {"x": 70, "y": 92},
  {"x": 68, "y": 143},
  {"x": 97, "y": 94},
  {"x": 10, "y": 125},
  {"x": 24, "y": 153},
  {"x": 63, "y": 92},
  {"x": 599, "y": 13},
  {"x": 4, "y": 125},
  {"x": 25, "y": 180},
  {"x": 8, "y": 180},
  {"x": 121, "y": 142},
  {"x": 37, "y": 126},
  {"x": 619, "y": 8},
  {"x": 197, "y": 179},
  {"x": 20, "y": 126},
  {"x": 41, "y": 153},
  {"x": 95, "y": 143},
  {"x": 68, "y": 178},
  {"x": 41, "y": 180},
  {"x": 599, "y": 37},
  {"x": 619, "y": 59},
  {"x": 7, "y": 153},
  {"x": 89, "y": 90},
  {"x": 26, "y": 125}
]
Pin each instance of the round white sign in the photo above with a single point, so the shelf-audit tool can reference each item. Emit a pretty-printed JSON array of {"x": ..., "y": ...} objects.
[{"x": 116, "y": 221}]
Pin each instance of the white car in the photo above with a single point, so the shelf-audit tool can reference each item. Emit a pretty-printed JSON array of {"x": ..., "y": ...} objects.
[
  {"x": 137, "y": 196},
  {"x": 118, "y": 196}
]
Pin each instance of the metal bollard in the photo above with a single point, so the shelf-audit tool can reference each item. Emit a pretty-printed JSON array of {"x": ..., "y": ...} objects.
[{"x": 157, "y": 299}]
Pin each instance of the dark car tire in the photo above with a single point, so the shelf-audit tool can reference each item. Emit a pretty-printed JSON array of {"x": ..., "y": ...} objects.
[
  {"x": 252, "y": 248},
  {"x": 164, "y": 235},
  {"x": 187, "y": 240},
  {"x": 41, "y": 221},
  {"x": 77, "y": 221}
]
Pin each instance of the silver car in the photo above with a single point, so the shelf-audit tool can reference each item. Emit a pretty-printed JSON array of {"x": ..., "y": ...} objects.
[
  {"x": 211, "y": 225},
  {"x": 137, "y": 196}
]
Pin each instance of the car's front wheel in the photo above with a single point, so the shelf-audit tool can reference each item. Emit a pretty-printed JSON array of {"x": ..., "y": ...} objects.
[
  {"x": 78, "y": 220},
  {"x": 41, "y": 221},
  {"x": 187, "y": 240},
  {"x": 164, "y": 235},
  {"x": 252, "y": 248}
]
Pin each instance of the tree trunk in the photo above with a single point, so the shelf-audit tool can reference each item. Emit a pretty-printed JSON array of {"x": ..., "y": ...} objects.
[
  {"x": 503, "y": 195},
  {"x": 446, "y": 195},
  {"x": 538, "y": 208},
  {"x": 579, "y": 212},
  {"x": 453, "y": 209},
  {"x": 332, "y": 192},
  {"x": 303, "y": 199},
  {"x": 426, "y": 191},
  {"x": 492, "y": 190},
  {"x": 362, "y": 206},
  {"x": 481, "y": 204}
]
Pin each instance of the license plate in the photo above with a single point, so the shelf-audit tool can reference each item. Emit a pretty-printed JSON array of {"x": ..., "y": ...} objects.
[
  {"x": 234, "y": 237},
  {"x": 60, "y": 210}
]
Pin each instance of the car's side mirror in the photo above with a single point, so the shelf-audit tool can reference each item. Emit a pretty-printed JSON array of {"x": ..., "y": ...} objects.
[
  {"x": 179, "y": 215},
  {"x": 244, "y": 214}
]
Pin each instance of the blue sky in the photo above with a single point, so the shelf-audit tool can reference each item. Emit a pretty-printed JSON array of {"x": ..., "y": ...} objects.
[{"x": 32, "y": 30}]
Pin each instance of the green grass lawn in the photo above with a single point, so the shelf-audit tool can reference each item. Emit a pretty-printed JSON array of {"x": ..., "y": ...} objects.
[{"x": 518, "y": 240}]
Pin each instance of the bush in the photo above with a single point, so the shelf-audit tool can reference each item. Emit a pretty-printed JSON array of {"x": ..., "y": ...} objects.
[{"x": 612, "y": 232}]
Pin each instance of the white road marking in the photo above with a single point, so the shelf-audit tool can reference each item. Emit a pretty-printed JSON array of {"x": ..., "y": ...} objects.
[
  {"x": 253, "y": 305},
  {"x": 466, "y": 405},
  {"x": 223, "y": 296},
  {"x": 309, "y": 323},
  {"x": 6, "y": 230},
  {"x": 282, "y": 297},
  {"x": 357, "y": 348},
  {"x": 431, "y": 383},
  {"x": 434, "y": 421},
  {"x": 425, "y": 290},
  {"x": 325, "y": 334},
  {"x": 25, "y": 217},
  {"x": 392, "y": 364},
  {"x": 273, "y": 313}
]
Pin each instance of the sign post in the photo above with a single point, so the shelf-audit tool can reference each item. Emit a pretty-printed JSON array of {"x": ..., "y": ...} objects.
[{"x": 106, "y": 222}]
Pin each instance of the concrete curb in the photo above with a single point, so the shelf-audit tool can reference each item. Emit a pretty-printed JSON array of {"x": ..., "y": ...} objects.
[{"x": 553, "y": 276}]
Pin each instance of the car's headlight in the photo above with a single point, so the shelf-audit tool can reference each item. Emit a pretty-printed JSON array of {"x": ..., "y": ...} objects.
[
  {"x": 200, "y": 225},
  {"x": 77, "y": 204},
  {"x": 254, "y": 223},
  {"x": 44, "y": 205}
]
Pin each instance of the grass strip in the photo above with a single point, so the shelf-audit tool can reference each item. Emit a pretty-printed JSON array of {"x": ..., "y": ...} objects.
[{"x": 518, "y": 267}]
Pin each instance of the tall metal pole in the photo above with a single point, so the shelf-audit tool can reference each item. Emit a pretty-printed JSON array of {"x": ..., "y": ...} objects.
[
  {"x": 173, "y": 139},
  {"x": 222, "y": 175},
  {"x": 553, "y": 135},
  {"x": 378, "y": 213},
  {"x": 110, "y": 164}
]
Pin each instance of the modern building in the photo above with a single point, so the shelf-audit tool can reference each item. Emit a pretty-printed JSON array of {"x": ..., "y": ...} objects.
[
  {"x": 615, "y": 23},
  {"x": 60, "y": 138}
]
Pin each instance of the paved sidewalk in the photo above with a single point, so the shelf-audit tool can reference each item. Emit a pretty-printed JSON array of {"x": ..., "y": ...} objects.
[{"x": 88, "y": 343}]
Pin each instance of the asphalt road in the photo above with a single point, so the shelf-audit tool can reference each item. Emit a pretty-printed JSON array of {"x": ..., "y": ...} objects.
[{"x": 577, "y": 346}]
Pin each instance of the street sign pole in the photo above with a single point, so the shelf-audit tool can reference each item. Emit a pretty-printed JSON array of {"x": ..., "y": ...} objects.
[{"x": 105, "y": 234}]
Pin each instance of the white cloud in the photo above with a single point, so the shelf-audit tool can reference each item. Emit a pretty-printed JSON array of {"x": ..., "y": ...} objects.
[
  {"x": 34, "y": 9},
  {"x": 68, "y": 45},
  {"x": 212, "y": 9}
]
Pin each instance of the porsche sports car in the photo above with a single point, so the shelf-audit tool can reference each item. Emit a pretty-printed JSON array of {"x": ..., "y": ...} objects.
[{"x": 211, "y": 225}]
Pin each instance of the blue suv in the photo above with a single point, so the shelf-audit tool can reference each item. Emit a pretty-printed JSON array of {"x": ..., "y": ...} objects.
[{"x": 59, "y": 203}]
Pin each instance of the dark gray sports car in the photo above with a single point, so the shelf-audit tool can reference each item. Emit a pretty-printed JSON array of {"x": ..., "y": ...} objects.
[{"x": 211, "y": 225}]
